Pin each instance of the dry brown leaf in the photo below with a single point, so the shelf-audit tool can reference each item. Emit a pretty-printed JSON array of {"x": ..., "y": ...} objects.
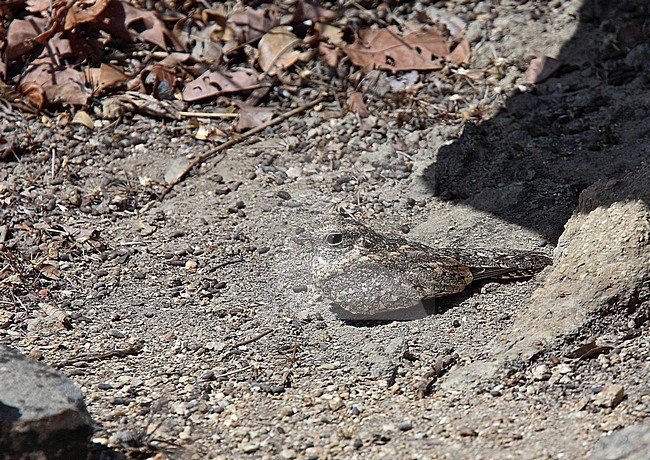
[
  {"x": 205, "y": 44},
  {"x": 213, "y": 83},
  {"x": 208, "y": 132},
  {"x": 215, "y": 15},
  {"x": 174, "y": 59},
  {"x": 389, "y": 49},
  {"x": 460, "y": 54},
  {"x": 540, "y": 69},
  {"x": 248, "y": 25},
  {"x": 82, "y": 118},
  {"x": 105, "y": 77},
  {"x": 356, "y": 104},
  {"x": 307, "y": 10},
  {"x": 57, "y": 86},
  {"x": 84, "y": 11},
  {"x": 21, "y": 36},
  {"x": 277, "y": 50},
  {"x": 35, "y": 93},
  {"x": 6, "y": 148},
  {"x": 43, "y": 87},
  {"x": 80, "y": 235},
  {"x": 331, "y": 54},
  {"x": 50, "y": 270},
  {"x": 332, "y": 33},
  {"x": 36, "y": 6},
  {"x": 252, "y": 117},
  {"x": 130, "y": 23},
  {"x": 132, "y": 102}
]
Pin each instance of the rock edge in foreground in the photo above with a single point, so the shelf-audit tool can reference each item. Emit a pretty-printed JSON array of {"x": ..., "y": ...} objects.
[{"x": 42, "y": 412}]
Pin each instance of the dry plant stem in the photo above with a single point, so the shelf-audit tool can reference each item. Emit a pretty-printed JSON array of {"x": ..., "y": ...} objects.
[
  {"x": 133, "y": 350},
  {"x": 252, "y": 339},
  {"x": 233, "y": 372},
  {"x": 208, "y": 115},
  {"x": 238, "y": 139}
]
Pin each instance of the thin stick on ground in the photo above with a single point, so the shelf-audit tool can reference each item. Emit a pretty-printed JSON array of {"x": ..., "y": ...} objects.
[
  {"x": 226, "y": 145},
  {"x": 209, "y": 115},
  {"x": 252, "y": 339},
  {"x": 132, "y": 350}
]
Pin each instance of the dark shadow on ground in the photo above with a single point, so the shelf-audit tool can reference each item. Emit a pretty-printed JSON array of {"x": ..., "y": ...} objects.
[
  {"x": 426, "y": 308},
  {"x": 586, "y": 123}
]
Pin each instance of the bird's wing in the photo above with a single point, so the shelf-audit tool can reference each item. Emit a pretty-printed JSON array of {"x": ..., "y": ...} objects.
[{"x": 431, "y": 275}]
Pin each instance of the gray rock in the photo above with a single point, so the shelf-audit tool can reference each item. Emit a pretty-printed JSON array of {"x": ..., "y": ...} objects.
[
  {"x": 631, "y": 443},
  {"x": 602, "y": 264},
  {"x": 384, "y": 358},
  {"x": 610, "y": 396},
  {"x": 601, "y": 268},
  {"x": 42, "y": 413}
]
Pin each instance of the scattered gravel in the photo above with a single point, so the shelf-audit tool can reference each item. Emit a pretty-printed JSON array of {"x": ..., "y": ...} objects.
[{"x": 242, "y": 356}]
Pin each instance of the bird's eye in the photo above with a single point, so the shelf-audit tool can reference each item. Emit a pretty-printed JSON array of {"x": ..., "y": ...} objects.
[{"x": 334, "y": 239}]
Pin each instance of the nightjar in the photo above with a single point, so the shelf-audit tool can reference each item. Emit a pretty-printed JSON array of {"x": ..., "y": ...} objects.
[{"x": 368, "y": 274}]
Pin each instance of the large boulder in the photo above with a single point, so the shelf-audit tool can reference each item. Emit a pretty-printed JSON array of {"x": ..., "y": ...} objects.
[
  {"x": 42, "y": 413},
  {"x": 631, "y": 443},
  {"x": 600, "y": 275}
]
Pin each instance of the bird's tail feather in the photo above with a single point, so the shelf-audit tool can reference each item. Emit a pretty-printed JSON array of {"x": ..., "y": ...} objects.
[{"x": 500, "y": 264}]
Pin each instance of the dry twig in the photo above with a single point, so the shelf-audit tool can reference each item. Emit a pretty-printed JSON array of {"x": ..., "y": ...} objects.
[
  {"x": 252, "y": 339},
  {"x": 226, "y": 145},
  {"x": 120, "y": 352}
]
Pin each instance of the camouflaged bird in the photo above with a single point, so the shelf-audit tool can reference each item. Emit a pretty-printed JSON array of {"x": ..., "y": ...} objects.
[{"x": 368, "y": 274}]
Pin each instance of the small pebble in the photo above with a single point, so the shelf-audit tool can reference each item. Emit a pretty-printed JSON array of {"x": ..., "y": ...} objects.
[
  {"x": 405, "y": 426},
  {"x": 611, "y": 396},
  {"x": 250, "y": 447},
  {"x": 467, "y": 432},
  {"x": 284, "y": 195},
  {"x": 208, "y": 375},
  {"x": 541, "y": 372},
  {"x": 288, "y": 454},
  {"x": 119, "y": 401},
  {"x": 287, "y": 411}
]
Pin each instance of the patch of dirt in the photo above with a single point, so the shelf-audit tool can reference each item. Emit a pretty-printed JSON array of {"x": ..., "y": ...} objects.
[{"x": 242, "y": 356}]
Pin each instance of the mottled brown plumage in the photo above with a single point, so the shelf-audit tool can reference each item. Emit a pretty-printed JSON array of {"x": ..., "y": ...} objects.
[{"x": 367, "y": 273}]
